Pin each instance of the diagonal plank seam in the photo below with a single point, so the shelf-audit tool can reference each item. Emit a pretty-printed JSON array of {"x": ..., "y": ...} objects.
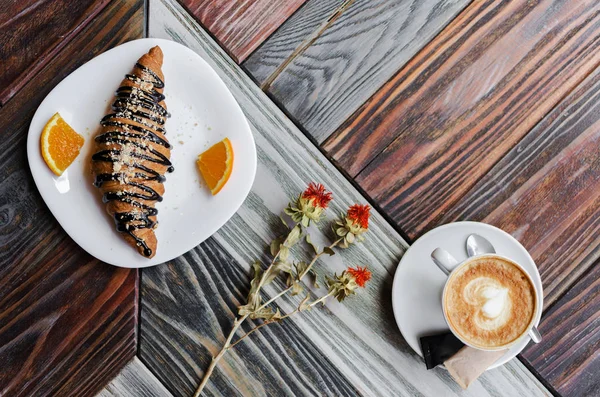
[
  {"x": 373, "y": 202},
  {"x": 52, "y": 52},
  {"x": 146, "y": 18},
  {"x": 20, "y": 14},
  {"x": 306, "y": 43},
  {"x": 408, "y": 65},
  {"x": 541, "y": 116},
  {"x": 205, "y": 27},
  {"x": 329, "y": 142},
  {"x": 312, "y": 139},
  {"x": 425, "y": 170},
  {"x": 217, "y": 59},
  {"x": 156, "y": 374},
  {"x": 556, "y": 107},
  {"x": 137, "y": 309},
  {"x": 207, "y": 253},
  {"x": 576, "y": 281},
  {"x": 240, "y": 27},
  {"x": 539, "y": 376}
]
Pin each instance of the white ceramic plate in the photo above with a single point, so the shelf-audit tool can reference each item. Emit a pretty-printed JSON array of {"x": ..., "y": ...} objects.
[
  {"x": 418, "y": 283},
  {"x": 203, "y": 112}
]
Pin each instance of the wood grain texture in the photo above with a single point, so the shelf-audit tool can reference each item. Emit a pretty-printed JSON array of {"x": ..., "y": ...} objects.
[
  {"x": 298, "y": 31},
  {"x": 466, "y": 99},
  {"x": 135, "y": 380},
  {"x": 187, "y": 304},
  {"x": 197, "y": 294},
  {"x": 67, "y": 321},
  {"x": 569, "y": 355},
  {"x": 241, "y": 25},
  {"x": 32, "y": 32},
  {"x": 546, "y": 191},
  {"x": 353, "y": 57}
]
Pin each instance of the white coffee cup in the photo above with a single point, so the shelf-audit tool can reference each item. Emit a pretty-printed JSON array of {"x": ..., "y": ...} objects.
[{"x": 448, "y": 265}]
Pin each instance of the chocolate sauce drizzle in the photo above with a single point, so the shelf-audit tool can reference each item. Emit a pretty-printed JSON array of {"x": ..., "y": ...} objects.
[{"x": 139, "y": 104}]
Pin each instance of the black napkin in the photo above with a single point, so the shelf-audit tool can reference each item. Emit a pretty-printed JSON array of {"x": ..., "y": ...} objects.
[{"x": 438, "y": 348}]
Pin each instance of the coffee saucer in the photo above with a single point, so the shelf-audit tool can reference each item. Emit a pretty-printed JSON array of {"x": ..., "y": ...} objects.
[{"x": 418, "y": 283}]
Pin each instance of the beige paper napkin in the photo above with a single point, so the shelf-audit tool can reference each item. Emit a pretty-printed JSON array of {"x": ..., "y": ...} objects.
[{"x": 466, "y": 365}]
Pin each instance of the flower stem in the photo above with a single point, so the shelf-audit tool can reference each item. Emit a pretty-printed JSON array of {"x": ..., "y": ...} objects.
[
  {"x": 253, "y": 330},
  {"x": 321, "y": 299},
  {"x": 310, "y": 265},
  {"x": 218, "y": 357},
  {"x": 262, "y": 325},
  {"x": 238, "y": 322}
]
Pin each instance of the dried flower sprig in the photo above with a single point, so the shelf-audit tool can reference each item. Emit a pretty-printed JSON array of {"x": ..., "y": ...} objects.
[
  {"x": 353, "y": 225},
  {"x": 345, "y": 284},
  {"x": 309, "y": 206}
]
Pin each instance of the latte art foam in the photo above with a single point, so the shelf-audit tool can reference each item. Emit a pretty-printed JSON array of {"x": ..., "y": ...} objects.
[
  {"x": 492, "y": 300},
  {"x": 489, "y": 302}
]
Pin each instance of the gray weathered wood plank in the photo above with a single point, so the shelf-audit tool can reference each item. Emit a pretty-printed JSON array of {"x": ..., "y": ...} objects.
[
  {"x": 196, "y": 295},
  {"x": 187, "y": 305},
  {"x": 297, "y": 31},
  {"x": 135, "y": 380},
  {"x": 365, "y": 46}
]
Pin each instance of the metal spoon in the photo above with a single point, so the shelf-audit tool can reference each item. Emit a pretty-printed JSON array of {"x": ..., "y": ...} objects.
[{"x": 477, "y": 245}]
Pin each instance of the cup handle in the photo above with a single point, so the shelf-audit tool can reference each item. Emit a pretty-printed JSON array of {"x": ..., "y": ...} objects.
[{"x": 444, "y": 260}]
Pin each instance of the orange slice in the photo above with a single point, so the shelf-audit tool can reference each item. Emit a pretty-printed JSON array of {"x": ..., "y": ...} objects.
[
  {"x": 60, "y": 144},
  {"x": 216, "y": 164}
]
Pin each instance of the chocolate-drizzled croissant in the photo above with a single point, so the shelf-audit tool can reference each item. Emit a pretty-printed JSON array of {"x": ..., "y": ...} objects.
[{"x": 132, "y": 153}]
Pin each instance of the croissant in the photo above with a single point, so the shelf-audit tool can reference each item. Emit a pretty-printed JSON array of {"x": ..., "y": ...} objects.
[{"x": 132, "y": 153}]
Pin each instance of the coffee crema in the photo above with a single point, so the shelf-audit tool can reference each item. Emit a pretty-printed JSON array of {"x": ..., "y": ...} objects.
[{"x": 489, "y": 302}]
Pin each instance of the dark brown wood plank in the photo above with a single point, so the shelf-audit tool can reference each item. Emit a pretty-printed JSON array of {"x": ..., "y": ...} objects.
[
  {"x": 241, "y": 25},
  {"x": 546, "y": 191},
  {"x": 32, "y": 32},
  {"x": 569, "y": 356},
  {"x": 67, "y": 321},
  {"x": 466, "y": 99},
  {"x": 357, "y": 48}
]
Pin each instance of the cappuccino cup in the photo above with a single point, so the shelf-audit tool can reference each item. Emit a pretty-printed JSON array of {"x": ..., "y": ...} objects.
[{"x": 489, "y": 301}]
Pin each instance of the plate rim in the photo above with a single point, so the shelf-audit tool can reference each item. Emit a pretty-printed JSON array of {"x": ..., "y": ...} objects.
[{"x": 33, "y": 140}]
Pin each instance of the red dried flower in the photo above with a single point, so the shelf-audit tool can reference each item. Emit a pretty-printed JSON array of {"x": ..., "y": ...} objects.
[
  {"x": 359, "y": 214},
  {"x": 317, "y": 193},
  {"x": 360, "y": 274}
]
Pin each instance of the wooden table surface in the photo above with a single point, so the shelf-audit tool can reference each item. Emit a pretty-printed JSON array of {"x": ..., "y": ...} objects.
[{"x": 430, "y": 110}]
